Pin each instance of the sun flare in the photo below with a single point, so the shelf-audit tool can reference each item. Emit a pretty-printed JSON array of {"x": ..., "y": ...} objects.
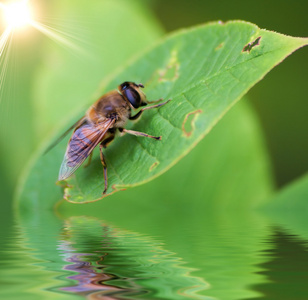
[{"x": 17, "y": 14}]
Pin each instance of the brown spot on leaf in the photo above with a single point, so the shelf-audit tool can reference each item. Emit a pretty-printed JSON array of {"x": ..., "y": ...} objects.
[
  {"x": 153, "y": 166},
  {"x": 171, "y": 71},
  {"x": 114, "y": 187},
  {"x": 219, "y": 46},
  {"x": 188, "y": 125},
  {"x": 249, "y": 46}
]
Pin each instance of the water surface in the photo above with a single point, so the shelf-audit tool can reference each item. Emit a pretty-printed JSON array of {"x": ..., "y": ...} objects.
[{"x": 221, "y": 256}]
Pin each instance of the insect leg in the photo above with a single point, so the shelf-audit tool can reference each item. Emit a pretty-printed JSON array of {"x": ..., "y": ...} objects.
[
  {"x": 154, "y": 101},
  {"x": 101, "y": 146},
  {"x": 137, "y": 133},
  {"x": 138, "y": 114},
  {"x": 107, "y": 141},
  {"x": 89, "y": 160}
]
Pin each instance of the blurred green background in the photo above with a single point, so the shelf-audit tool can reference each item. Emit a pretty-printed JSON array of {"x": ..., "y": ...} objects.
[{"x": 279, "y": 100}]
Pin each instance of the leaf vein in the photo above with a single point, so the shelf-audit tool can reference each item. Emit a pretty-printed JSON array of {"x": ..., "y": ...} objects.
[
  {"x": 186, "y": 98},
  {"x": 203, "y": 80}
]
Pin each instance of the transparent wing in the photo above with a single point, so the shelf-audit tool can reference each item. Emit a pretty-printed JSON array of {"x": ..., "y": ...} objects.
[
  {"x": 84, "y": 139},
  {"x": 59, "y": 139}
]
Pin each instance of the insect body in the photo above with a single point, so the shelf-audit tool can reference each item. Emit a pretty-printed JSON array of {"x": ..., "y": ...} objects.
[{"x": 98, "y": 127}]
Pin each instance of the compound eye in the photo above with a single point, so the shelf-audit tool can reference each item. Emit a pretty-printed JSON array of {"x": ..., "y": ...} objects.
[
  {"x": 125, "y": 85},
  {"x": 133, "y": 97}
]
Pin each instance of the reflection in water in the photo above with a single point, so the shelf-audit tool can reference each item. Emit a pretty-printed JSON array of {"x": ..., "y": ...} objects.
[
  {"x": 287, "y": 269},
  {"x": 240, "y": 255},
  {"x": 114, "y": 264},
  {"x": 88, "y": 278}
]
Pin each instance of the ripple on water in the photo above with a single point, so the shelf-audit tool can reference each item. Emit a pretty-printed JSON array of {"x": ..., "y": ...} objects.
[{"x": 114, "y": 263}]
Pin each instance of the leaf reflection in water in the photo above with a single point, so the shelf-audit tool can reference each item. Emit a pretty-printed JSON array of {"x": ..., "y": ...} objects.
[
  {"x": 117, "y": 264},
  {"x": 287, "y": 268}
]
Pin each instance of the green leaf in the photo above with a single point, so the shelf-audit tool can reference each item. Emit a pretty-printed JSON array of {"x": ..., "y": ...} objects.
[
  {"x": 239, "y": 177},
  {"x": 289, "y": 208},
  {"x": 293, "y": 197},
  {"x": 204, "y": 70},
  {"x": 209, "y": 175}
]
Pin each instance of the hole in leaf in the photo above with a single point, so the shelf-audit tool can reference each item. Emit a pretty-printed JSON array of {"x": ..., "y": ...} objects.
[
  {"x": 188, "y": 125},
  {"x": 249, "y": 46}
]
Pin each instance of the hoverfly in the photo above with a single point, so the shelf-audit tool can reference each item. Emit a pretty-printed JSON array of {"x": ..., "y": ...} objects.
[{"x": 100, "y": 124}]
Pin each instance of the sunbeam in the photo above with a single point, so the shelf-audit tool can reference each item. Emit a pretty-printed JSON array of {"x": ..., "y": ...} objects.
[
  {"x": 56, "y": 35},
  {"x": 5, "y": 52},
  {"x": 5, "y": 42},
  {"x": 4, "y": 38},
  {"x": 19, "y": 14}
]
